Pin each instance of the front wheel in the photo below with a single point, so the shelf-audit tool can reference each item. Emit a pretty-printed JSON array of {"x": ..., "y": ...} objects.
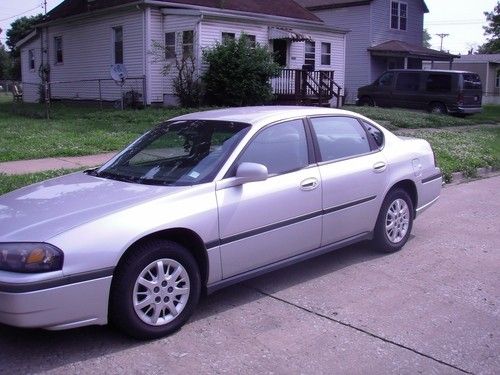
[
  {"x": 394, "y": 222},
  {"x": 155, "y": 290}
]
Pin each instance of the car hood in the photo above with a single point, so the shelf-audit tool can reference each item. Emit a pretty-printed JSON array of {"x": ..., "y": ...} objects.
[{"x": 41, "y": 211}]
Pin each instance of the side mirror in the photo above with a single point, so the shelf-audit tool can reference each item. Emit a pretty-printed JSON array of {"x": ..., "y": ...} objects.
[{"x": 246, "y": 172}]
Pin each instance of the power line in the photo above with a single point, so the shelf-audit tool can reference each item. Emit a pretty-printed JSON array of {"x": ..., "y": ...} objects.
[{"x": 20, "y": 14}]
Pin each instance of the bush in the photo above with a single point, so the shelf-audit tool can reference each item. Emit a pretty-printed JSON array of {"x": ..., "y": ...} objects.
[
  {"x": 187, "y": 87},
  {"x": 238, "y": 73}
]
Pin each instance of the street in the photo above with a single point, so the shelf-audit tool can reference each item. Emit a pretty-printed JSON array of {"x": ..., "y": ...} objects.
[{"x": 432, "y": 308}]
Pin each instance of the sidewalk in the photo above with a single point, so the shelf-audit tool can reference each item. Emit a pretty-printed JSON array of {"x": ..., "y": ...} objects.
[{"x": 64, "y": 162}]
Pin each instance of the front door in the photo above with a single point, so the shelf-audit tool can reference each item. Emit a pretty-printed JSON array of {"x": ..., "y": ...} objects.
[
  {"x": 280, "y": 47},
  {"x": 267, "y": 221}
]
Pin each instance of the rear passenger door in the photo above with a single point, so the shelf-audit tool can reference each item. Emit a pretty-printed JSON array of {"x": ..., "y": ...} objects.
[{"x": 353, "y": 174}]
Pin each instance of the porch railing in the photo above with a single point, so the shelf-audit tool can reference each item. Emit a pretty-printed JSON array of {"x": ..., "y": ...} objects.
[{"x": 303, "y": 86}]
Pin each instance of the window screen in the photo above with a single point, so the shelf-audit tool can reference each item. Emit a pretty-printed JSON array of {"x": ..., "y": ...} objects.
[{"x": 170, "y": 45}]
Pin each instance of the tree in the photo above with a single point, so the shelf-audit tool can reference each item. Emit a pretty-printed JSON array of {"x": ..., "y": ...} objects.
[
  {"x": 18, "y": 30},
  {"x": 238, "y": 73},
  {"x": 492, "y": 30},
  {"x": 426, "y": 39}
]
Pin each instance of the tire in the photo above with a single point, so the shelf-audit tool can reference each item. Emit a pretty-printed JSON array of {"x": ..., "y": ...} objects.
[
  {"x": 366, "y": 101},
  {"x": 397, "y": 202},
  {"x": 151, "y": 309},
  {"x": 438, "y": 108}
]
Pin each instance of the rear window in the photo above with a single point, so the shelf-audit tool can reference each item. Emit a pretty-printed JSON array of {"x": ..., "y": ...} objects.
[
  {"x": 438, "y": 83},
  {"x": 471, "y": 81},
  {"x": 407, "y": 81}
]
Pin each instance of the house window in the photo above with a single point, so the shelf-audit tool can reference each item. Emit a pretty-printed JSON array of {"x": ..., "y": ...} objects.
[
  {"x": 228, "y": 36},
  {"x": 399, "y": 15},
  {"x": 326, "y": 53},
  {"x": 251, "y": 40},
  {"x": 58, "y": 48},
  {"x": 31, "y": 58},
  {"x": 118, "y": 44},
  {"x": 187, "y": 44},
  {"x": 497, "y": 79},
  {"x": 310, "y": 54},
  {"x": 170, "y": 46}
]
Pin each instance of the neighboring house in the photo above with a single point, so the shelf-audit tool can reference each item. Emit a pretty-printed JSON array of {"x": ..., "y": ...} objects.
[
  {"x": 384, "y": 34},
  {"x": 82, "y": 39},
  {"x": 488, "y": 68}
]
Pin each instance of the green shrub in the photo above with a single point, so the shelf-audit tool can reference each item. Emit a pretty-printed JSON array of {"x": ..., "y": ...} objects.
[{"x": 238, "y": 73}]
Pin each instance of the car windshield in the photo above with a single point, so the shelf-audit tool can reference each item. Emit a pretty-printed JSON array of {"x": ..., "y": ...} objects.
[{"x": 176, "y": 153}]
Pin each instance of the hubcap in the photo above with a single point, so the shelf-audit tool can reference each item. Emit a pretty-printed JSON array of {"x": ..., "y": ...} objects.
[
  {"x": 161, "y": 292},
  {"x": 397, "y": 221}
]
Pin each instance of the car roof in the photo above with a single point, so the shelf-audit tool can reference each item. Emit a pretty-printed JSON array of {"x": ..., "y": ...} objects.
[{"x": 263, "y": 115}]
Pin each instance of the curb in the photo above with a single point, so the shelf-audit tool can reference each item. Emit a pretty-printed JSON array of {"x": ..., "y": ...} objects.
[{"x": 481, "y": 173}]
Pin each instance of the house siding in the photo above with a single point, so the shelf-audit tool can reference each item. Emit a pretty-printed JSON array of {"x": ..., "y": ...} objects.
[
  {"x": 357, "y": 59},
  {"x": 31, "y": 79},
  {"x": 88, "y": 55},
  {"x": 154, "y": 56}
]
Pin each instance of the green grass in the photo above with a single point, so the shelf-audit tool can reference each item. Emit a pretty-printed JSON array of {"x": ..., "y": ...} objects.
[
  {"x": 462, "y": 150},
  {"x": 71, "y": 131},
  {"x": 13, "y": 182},
  {"x": 403, "y": 118}
]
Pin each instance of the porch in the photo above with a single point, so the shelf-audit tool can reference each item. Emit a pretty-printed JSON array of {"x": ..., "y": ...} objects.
[{"x": 306, "y": 87}]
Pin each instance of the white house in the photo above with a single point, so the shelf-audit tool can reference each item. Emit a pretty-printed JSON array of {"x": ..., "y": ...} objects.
[{"x": 81, "y": 39}]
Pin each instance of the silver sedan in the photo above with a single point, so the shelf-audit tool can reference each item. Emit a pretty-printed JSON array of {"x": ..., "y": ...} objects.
[{"x": 200, "y": 202}]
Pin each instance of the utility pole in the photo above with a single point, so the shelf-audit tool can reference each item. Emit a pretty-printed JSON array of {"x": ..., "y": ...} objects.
[
  {"x": 442, "y": 36},
  {"x": 45, "y": 6}
]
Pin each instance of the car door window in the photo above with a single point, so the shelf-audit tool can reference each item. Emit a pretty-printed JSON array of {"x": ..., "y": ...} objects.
[
  {"x": 340, "y": 137},
  {"x": 281, "y": 148},
  {"x": 386, "y": 80},
  {"x": 407, "y": 81}
]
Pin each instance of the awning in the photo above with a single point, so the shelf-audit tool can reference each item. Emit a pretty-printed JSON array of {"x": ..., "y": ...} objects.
[
  {"x": 397, "y": 48},
  {"x": 287, "y": 34}
]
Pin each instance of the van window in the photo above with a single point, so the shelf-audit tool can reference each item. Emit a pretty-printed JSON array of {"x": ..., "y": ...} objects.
[
  {"x": 438, "y": 83},
  {"x": 471, "y": 81},
  {"x": 386, "y": 79},
  {"x": 407, "y": 81}
]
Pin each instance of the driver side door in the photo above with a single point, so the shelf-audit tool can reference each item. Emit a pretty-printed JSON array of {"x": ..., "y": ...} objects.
[{"x": 263, "y": 222}]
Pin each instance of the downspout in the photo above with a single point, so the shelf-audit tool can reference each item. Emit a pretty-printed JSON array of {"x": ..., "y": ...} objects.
[
  {"x": 198, "y": 49},
  {"x": 487, "y": 85},
  {"x": 145, "y": 59}
]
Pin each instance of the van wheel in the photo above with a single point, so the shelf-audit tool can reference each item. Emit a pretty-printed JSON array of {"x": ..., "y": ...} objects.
[
  {"x": 437, "y": 108},
  {"x": 366, "y": 101}
]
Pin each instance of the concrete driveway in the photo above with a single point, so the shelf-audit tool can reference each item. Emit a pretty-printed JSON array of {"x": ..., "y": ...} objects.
[{"x": 431, "y": 308}]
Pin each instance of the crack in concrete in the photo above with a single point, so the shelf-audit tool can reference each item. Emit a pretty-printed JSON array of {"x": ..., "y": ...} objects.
[{"x": 388, "y": 341}]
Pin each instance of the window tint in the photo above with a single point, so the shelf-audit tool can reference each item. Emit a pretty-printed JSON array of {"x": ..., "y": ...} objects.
[
  {"x": 340, "y": 137},
  {"x": 438, "y": 83},
  {"x": 386, "y": 79},
  {"x": 472, "y": 81},
  {"x": 375, "y": 133},
  {"x": 407, "y": 81},
  {"x": 281, "y": 148}
]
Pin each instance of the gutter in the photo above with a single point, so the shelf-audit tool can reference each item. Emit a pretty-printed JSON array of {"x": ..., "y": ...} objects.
[{"x": 248, "y": 17}]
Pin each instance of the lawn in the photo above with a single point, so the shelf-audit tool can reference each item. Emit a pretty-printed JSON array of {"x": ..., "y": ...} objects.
[
  {"x": 462, "y": 150},
  {"x": 71, "y": 131}
]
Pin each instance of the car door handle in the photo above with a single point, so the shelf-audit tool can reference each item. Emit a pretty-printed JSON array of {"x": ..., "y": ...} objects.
[
  {"x": 309, "y": 184},
  {"x": 379, "y": 167}
]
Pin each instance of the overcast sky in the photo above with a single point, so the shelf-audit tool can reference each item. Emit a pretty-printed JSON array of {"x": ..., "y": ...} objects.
[{"x": 462, "y": 19}]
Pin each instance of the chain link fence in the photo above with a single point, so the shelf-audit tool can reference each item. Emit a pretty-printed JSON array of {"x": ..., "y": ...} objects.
[{"x": 103, "y": 92}]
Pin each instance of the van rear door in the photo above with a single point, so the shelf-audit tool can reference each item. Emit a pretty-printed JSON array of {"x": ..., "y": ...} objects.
[{"x": 472, "y": 91}]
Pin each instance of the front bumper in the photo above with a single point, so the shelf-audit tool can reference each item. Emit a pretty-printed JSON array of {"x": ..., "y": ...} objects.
[{"x": 60, "y": 307}]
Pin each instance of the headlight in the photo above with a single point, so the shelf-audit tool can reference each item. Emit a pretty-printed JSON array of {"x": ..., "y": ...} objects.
[{"x": 30, "y": 257}]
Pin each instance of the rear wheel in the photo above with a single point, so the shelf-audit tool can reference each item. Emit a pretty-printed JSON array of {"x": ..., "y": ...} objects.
[
  {"x": 437, "y": 108},
  {"x": 155, "y": 290},
  {"x": 394, "y": 222},
  {"x": 366, "y": 101}
]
